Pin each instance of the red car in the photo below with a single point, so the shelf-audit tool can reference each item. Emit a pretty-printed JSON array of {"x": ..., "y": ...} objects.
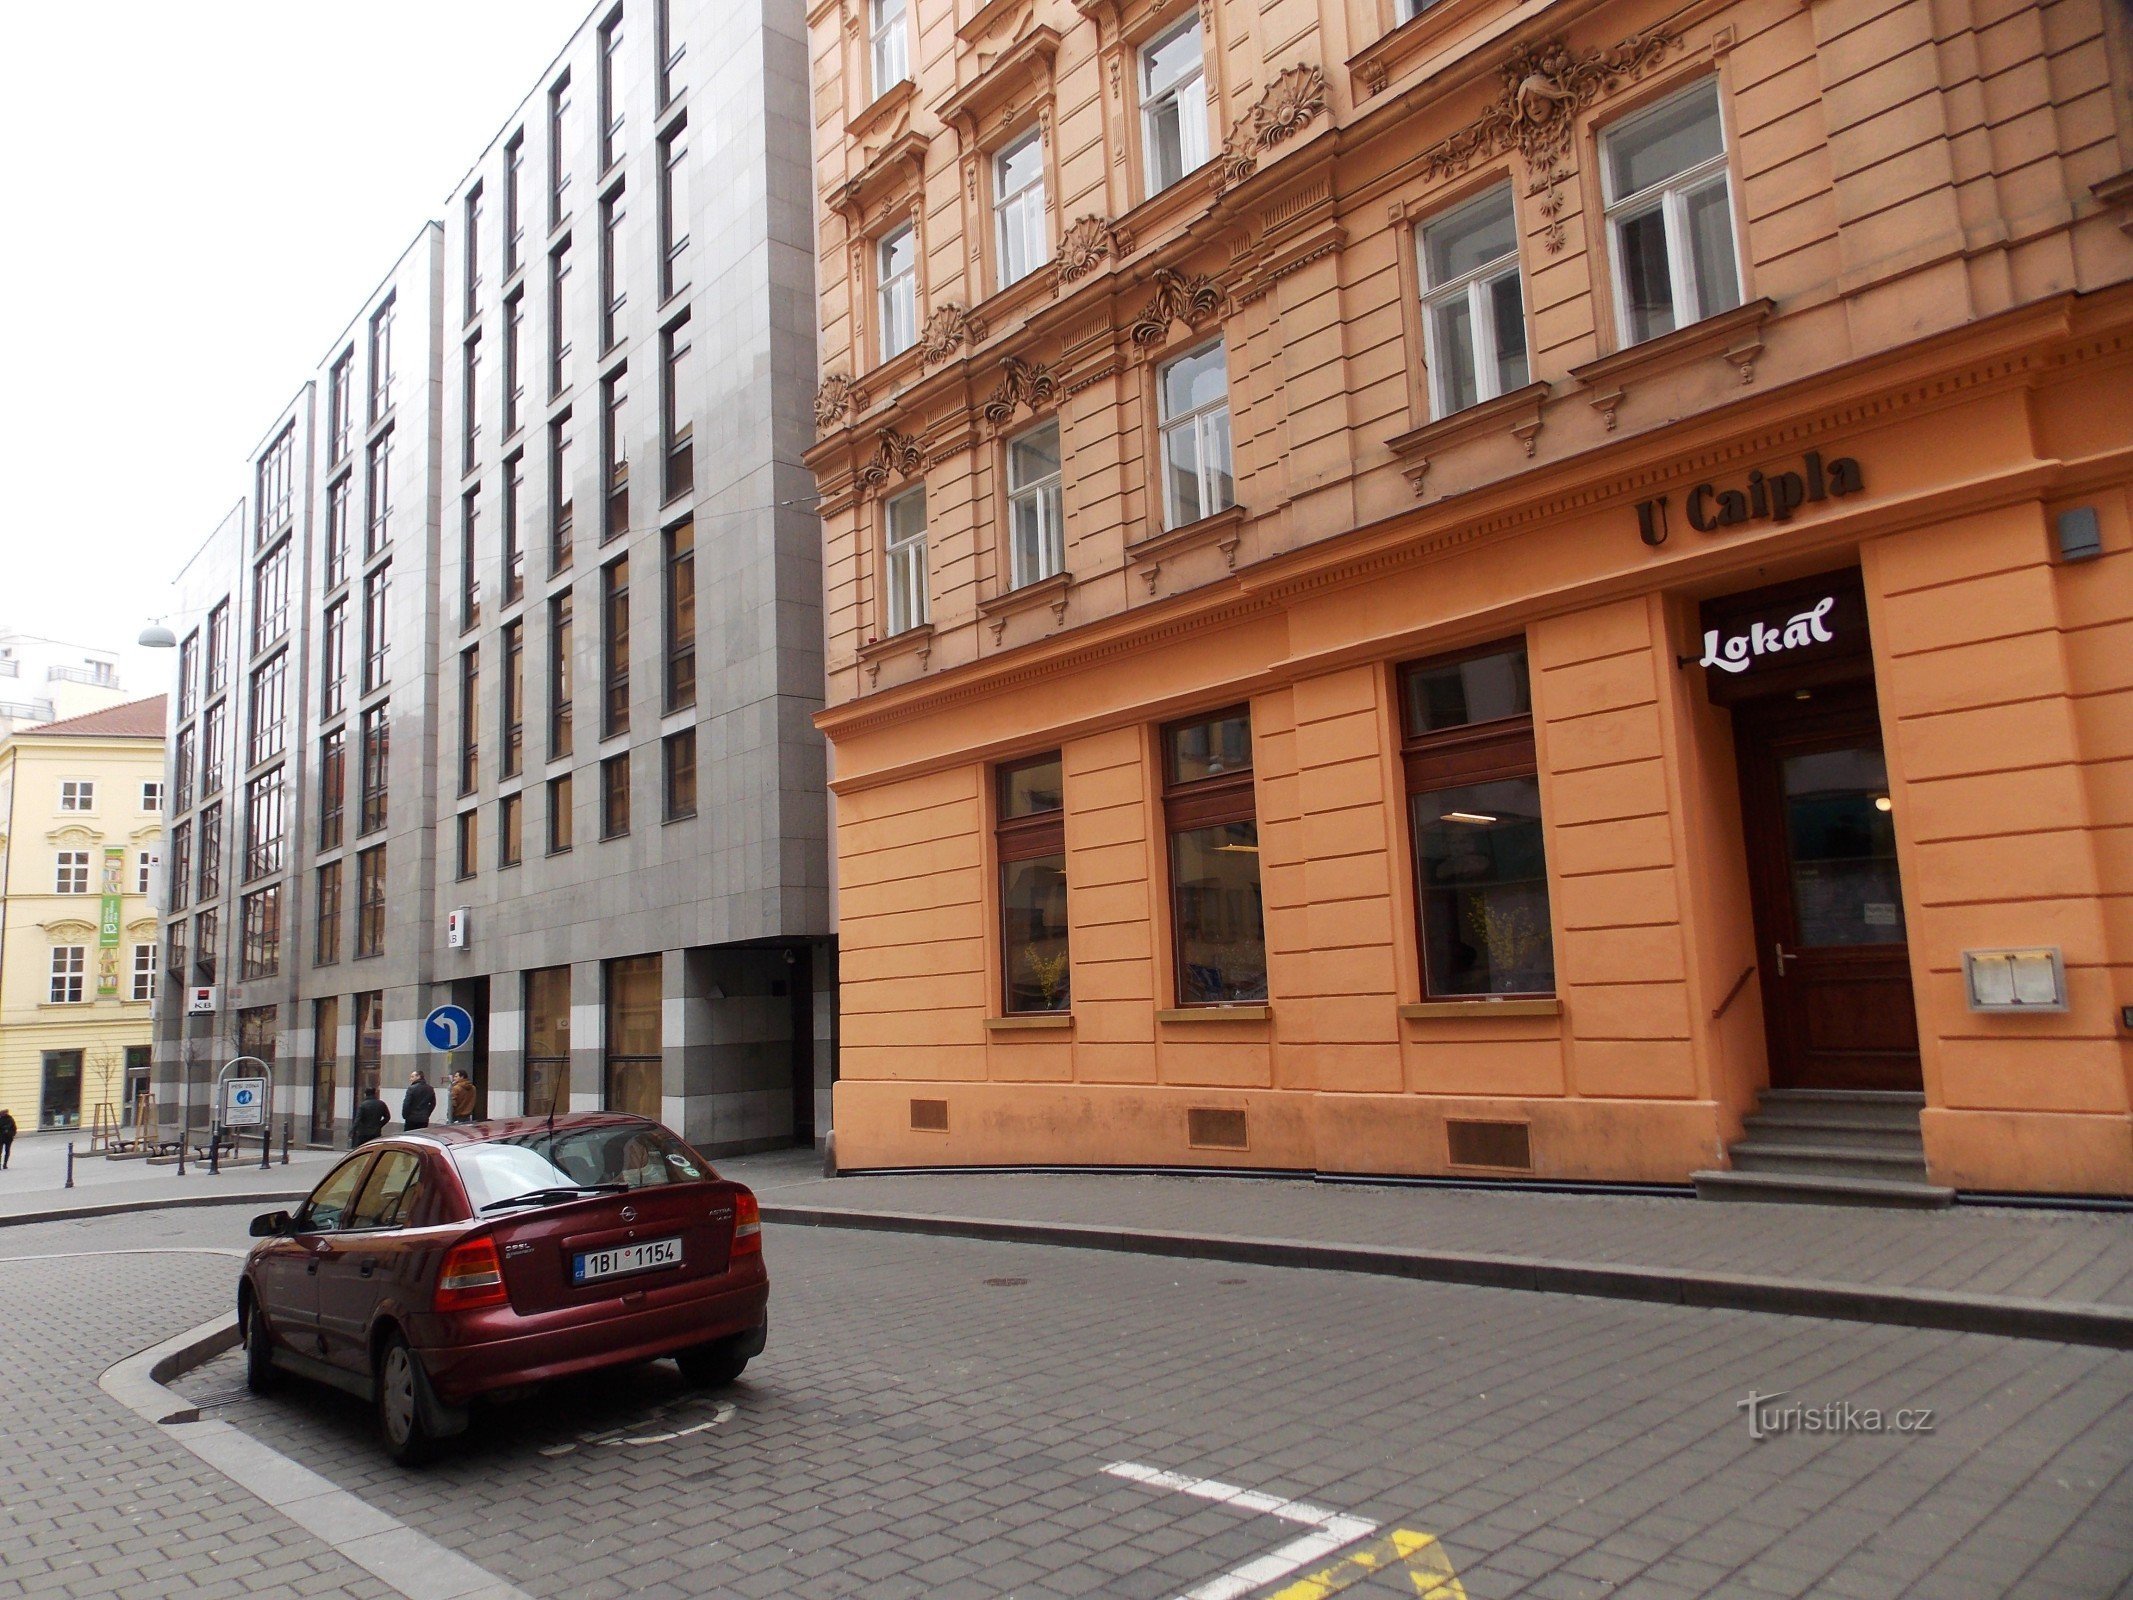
[{"x": 478, "y": 1260}]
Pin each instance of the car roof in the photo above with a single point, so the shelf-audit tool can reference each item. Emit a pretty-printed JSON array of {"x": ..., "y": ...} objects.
[{"x": 465, "y": 1133}]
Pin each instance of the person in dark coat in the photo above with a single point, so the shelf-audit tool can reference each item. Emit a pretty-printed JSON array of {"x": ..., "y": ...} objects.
[
  {"x": 371, "y": 1115},
  {"x": 419, "y": 1104},
  {"x": 7, "y": 1137}
]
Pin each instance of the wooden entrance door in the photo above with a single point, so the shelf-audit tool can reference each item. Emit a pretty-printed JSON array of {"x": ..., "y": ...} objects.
[{"x": 1831, "y": 942}]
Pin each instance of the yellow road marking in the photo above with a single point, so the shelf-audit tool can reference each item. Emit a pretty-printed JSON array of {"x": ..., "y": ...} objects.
[{"x": 1419, "y": 1555}]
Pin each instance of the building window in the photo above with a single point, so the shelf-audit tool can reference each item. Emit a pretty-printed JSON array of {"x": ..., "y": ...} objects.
[
  {"x": 277, "y": 485},
  {"x": 559, "y": 818},
  {"x": 337, "y": 530},
  {"x": 547, "y": 1040},
  {"x": 144, "y": 868},
  {"x": 903, "y": 521},
  {"x": 333, "y": 659},
  {"x": 896, "y": 280},
  {"x": 260, "y": 956},
  {"x": 59, "y": 1104},
  {"x": 70, "y": 872},
  {"x": 178, "y": 886},
  {"x": 634, "y": 1042},
  {"x": 470, "y": 405},
  {"x": 378, "y": 491},
  {"x": 1670, "y": 215},
  {"x": 369, "y": 1037},
  {"x": 515, "y": 203},
  {"x": 514, "y": 547},
  {"x": 678, "y": 766},
  {"x": 374, "y": 757},
  {"x": 514, "y": 363},
  {"x": 144, "y": 972},
  {"x": 469, "y": 559},
  {"x": 561, "y": 468},
  {"x": 674, "y": 210},
  {"x": 218, "y": 649},
  {"x": 678, "y": 433},
  {"x": 469, "y": 719},
  {"x": 186, "y": 768},
  {"x": 615, "y": 455},
  {"x": 1218, "y": 918},
  {"x": 558, "y": 318},
  {"x": 176, "y": 953},
  {"x": 561, "y": 674},
  {"x": 514, "y": 702},
  {"x": 610, "y": 89},
  {"x": 615, "y": 647},
  {"x": 370, "y": 903},
  {"x": 510, "y": 844},
  {"x": 69, "y": 963},
  {"x": 561, "y": 130},
  {"x": 332, "y": 786},
  {"x": 340, "y": 408},
  {"x": 1173, "y": 106},
  {"x": 891, "y": 44},
  {"x": 269, "y": 709},
  {"x": 326, "y": 935},
  {"x": 1193, "y": 392},
  {"x": 467, "y": 828},
  {"x": 680, "y": 617},
  {"x": 1037, "y": 541},
  {"x": 1018, "y": 208},
  {"x": 473, "y": 256},
  {"x": 77, "y": 794},
  {"x": 1031, "y": 841},
  {"x": 213, "y": 751},
  {"x": 667, "y": 51},
  {"x": 615, "y": 796},
  {"x": 188, "y": 676},
  {"x": 614, "y": 269},
  {"x": 207, "y": 950},
  {"x": 1473, "y": 803},
  {"x": 325, "y": 1066},
  {"x": 1474, "y": 315},
  {"x": 152, "y": 795},
  {"x": 210, "y": 884},
  {"x": 381, "y": 361},
  {"x": 376, "y": 640},
  {"x": 264, "y": 797}
]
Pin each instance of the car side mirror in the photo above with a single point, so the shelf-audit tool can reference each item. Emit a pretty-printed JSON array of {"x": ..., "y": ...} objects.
[{"x": 270, "y": 1225}]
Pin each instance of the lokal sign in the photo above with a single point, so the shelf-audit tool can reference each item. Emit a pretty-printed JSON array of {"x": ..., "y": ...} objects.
[
  {"x": 1736, "y": 651},
  {"x": 1767, "y": 497},
  {"x": 1790, "y": 636}
]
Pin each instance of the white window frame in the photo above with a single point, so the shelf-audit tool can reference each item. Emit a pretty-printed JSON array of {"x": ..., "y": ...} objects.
[
  {"x": 889, "y": 43},
  {"x": 70, "y": 970},
  {"x": 77, "y": 794},
  {"x": 144, "y": 972},
  {"x": 896, "y": 294},
  {"x": 1193, "y": 139},
  {"x": 1199, "y": 422},
  {"x": 144, "y": 862},
  {"x": 1044, "y": 494},
  {"x": 906, "y": 603},
  {"x": 1020, "y": 215},
  {"x": 1474, "y": 287},
  {"x": 1670, "y": 196},
  {"x": 70, "y": 872},
  {"x": 152, "y": 795}
]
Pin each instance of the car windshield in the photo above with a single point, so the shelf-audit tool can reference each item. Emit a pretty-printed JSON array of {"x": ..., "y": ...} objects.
[{"x": 634, "y": 1155}]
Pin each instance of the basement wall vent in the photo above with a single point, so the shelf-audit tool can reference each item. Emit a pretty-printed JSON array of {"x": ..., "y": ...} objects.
[
  {"x": 1488, "y": 1144},
  {"x": 929, "y": 1116},
  {"x": 1207, "y": 1128}
]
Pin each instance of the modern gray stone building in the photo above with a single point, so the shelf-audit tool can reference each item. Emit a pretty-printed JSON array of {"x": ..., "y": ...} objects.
[{"x": 496, "y": 687}]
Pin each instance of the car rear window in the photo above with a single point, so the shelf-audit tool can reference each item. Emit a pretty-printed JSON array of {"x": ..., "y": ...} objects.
[{"x": 638, "y": 1154}]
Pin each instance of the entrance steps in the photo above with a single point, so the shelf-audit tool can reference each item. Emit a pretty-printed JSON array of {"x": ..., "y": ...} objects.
[{"x": 1838, "y": 1147}]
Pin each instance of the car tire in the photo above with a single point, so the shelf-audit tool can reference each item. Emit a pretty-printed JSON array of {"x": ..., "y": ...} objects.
[
  {"x": 261, "y": 1376},
  {"x": 402, "y": 1422},
  {"x": 710, "y": 1366}
]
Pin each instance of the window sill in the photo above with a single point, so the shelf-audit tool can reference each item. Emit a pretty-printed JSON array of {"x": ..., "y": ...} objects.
[
  {"x": 1517, "y": 414},
  {"x": 1051, "y": 591},
  {"x": 1225, "y": 1013},
  {"x": 1026, "y": 1021},
  {"x": 1736, "y": 335},
  {"x": 919, "y": 638},
  {"x": 1224, "y": 529},
  {"x": 1481, "y": 1009}
]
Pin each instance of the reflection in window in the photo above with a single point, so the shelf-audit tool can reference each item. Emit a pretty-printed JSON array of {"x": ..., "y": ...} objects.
[
  {"x": 1218, "y": 914},
  {"x": 1840, "y": 833},
  {"x": 1033, "y": 888}
]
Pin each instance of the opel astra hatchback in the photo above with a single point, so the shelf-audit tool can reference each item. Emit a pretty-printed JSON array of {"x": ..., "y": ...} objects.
[{"x": 480, "y": 1260}]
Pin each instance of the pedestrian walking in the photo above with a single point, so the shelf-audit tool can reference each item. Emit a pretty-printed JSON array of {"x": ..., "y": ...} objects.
[
  {"x": 419, "y": 1104},
  {"x": 462, "y": 1096},
  {"x": 371, "y": 1115},
  {"x": 7, "y": 1138}
]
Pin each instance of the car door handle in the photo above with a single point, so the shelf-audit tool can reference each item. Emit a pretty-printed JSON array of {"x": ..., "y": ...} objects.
[{"x": 366, "y": 1269}]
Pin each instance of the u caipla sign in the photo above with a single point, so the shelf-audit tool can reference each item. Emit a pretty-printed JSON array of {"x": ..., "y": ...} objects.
[{"x": 448, "y": 1028}]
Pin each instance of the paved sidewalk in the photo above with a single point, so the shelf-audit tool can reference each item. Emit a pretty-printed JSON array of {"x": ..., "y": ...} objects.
[
  {"x": 33, "y": 1188},
  {"x": 2065, "y": 1257}
]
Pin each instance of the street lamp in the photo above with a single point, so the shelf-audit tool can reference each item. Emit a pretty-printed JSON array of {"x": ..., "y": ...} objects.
[{"x": 157, "y": 637}]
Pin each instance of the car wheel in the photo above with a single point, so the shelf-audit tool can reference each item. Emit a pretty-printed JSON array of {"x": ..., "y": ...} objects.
[
  {"x": 710, "y": 1366},
  {"x": 408, "y": 1439},
  {"x": 261, "y": 1376}
]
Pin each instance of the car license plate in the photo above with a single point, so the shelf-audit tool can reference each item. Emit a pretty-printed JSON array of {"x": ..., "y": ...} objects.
[{"x": 588, "y": 1265}]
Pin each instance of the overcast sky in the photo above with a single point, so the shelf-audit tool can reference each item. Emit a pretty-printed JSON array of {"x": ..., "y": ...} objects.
[{"x": 198, "y": 198}]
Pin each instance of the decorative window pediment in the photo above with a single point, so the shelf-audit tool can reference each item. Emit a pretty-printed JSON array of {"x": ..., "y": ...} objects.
[
  {"x": 1177, "y": 298},
  {"x": 67, "y": 930},
  {"x": 1008, "y": 87},
  {"x": 73, "y": 836},
  {"x": 1289, "y": 105},
  {"x": 890, "y": 174}
]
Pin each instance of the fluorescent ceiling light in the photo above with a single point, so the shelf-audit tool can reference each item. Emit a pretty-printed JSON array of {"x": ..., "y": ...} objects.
[{"x": 1465, "y": 816}]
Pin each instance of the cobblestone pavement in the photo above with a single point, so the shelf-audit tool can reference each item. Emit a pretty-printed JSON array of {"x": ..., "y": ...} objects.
[{"x": 2045, "y": 1254}]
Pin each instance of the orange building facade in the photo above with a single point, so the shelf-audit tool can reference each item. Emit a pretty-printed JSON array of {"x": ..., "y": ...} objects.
[{"x": 1469, "y": 590}]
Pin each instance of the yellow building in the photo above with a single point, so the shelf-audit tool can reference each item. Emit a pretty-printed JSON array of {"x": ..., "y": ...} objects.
[{"x": 81, "y": 829}]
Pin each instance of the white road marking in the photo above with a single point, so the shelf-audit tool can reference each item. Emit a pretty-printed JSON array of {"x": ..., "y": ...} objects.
[
  {"x": 1331, "y": 1529},
  {"x": 622, "y": 1436}
]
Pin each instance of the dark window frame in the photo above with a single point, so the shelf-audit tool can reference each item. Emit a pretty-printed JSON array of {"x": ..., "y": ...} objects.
[
  {"x": 1029, "y": 837},
  {"x": 1196, "y": 803}
]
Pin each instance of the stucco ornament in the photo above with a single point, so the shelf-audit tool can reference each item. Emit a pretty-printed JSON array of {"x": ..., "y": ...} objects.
[
  {"x": 1026, "y": 384},
  {"x": 838, "y": 398},
  {"x": 1177, "y": 298},
  {"x": 947, "y": 330},
  {"x": 1545, "y": 87},
  {"x": 1085, "y": 245},
  {"x": 893, "y": 452},
  {"x": 1286, "y": 109}
]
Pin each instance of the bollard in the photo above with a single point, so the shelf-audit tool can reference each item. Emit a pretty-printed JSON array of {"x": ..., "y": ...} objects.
[
  {"x": 70, "y": 1163},
  {"x": 214, "y": 1153},
  {"x": 285, "y": 1141},
  {"x": 266, "y": 1146}
]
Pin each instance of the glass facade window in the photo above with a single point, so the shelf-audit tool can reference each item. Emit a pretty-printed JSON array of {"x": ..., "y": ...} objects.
[
  {"x": 1030, "y": 838},
  {"x": 470, "y": 404},
  {"x": 325, "y": 1066},
  {"x": 337, "y": 534},
  {"x": 378, "y": 495},
  {"x": 1192, "y": 394},
  {"x": 471, "y": 240},
  {"x": 1473, "y": 310},
  {"x": 466, "y": 835},
  {"x": 1474, "y": 819},
  {"x": 667, "y": 50},
  {"x": 680, "y": 617},
  {"x": 611, "y": 115},
  {"x": 614, "y": 266},
  {"x": 180, "y": 876},
  {"x": 515, "y": 203},
  {"x": 514, "y": 546},
  {"x": 1019, "y": 223},
  {"x": 269, "y": 709},
  {"x": 1670, "y": 215},
  {"x": 514, "y": 700},
  {"x": 469, "y": 719},
  {"x": 615, "y": 454},
  {"x": 218, "y": 649},
  {"x": 1174, "y": 137},
  {"x": 562, "y": 468},
  {"x": 677, "y": 431},
  {"x": 277, "y": 485},
  {"x": 187, "y": 767},
  {"x": 340, "y": 408},
  {"x": 381, "y": 361},
  {"x": 189, "y": 676},
  {"x": 370, "y": 903},
  {"x": 562, "y": 674},
  {"x": 333, "y": 659},
  {"x": 1036, "y": 525},
  {"x": 562, "y": 130},
  {"x": 326, "y": 934},
  {"x": 615, "y": 647},
  {"x": 210, "y": 876},
  {"x": 377, "y": 635},
  {"x": 470, "y": 559},
  {"x": 264, "y": 799},
  {"x": 514, "y": 363},
  {"x": 559, "y": 318},
  {"x": 260, "y": 953},
  {"x": 207, "y": 948},
  {"x": 510, "y": 830},
  {"x": 547, "y": 1040},
  {"x": 214, "y": 751},
  {"x": 561, "y": 825},
  {"x": 896, "y": 290},
  {"x": 1217, "y": 912},
  {"x": 904, "y": 560},
  {"x": 270, "y": 597},
  {"x": 674, "y": 210},
  {"x": 332, "y": 786},
  {"x": 678, "y": 764},
  {"x": 375, "y": 759},
  {"x": 369, "y": 1038},
  {"x": 634, "y": 1038},
  {"x": 615, "y": 796}
]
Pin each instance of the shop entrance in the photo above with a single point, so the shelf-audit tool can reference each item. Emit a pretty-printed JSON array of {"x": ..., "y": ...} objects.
[{"x": 1795, "y": 664}]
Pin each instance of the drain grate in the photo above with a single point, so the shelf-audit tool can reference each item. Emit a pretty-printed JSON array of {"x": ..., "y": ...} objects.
[{"x": 1005, "y": 1283}]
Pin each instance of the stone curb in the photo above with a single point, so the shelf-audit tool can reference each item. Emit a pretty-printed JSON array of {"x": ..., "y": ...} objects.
[
  {"x": 121, "y": 1208},
  {"x": 2072, "y": 1322}
]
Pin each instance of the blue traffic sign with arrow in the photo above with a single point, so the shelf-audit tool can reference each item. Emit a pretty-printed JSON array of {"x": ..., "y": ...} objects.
[{"x": 448, "y": 1028}]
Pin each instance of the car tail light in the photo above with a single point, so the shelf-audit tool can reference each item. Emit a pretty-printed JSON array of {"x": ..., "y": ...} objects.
[
  {"x": 472, "y": 1277},
  {"x": 747, "y": 1225}
]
